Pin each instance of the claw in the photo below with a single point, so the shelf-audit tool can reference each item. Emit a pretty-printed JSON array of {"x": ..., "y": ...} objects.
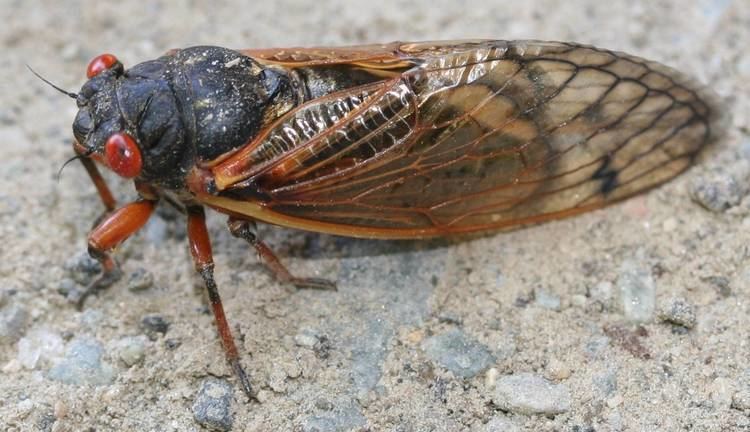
[
  {"x": 105, "y": 280},
  {"x": 239, "y": 372}
]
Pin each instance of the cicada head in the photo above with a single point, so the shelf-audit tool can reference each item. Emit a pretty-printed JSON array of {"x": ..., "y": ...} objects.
[{"x": 130, "y": 120}]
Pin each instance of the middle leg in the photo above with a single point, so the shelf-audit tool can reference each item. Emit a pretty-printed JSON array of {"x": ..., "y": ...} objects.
[{"x": 245, "y": 229}]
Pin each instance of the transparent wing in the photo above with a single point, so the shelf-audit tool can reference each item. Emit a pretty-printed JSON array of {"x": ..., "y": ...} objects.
[{"x": 478, "y": 135}]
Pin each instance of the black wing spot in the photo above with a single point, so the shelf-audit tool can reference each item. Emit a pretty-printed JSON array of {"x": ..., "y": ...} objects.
[{"x": 607, "y": 175}]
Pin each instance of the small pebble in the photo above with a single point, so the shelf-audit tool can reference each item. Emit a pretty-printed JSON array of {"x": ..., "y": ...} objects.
[
  {"x": 307, "y": 338},
  {"x": 39, "y": 346},
  {"x": 323, "y": 404},
  {"x": 132, "y": 350},
  {"x": 172, "y": 343},
  {"x": 491, "y": 377},
  {"x": 263, "y": 396},
  {"x": 637, "y": 290},
  {"x": 68, "y": 288},
  {"x": 603, "y": 292},
  {"x": 13, "y": 321},
  {"x": 719, "y": 191},
  {"x": 92, "y": 318},
  {"x": 547, "y": 300},
  {"x": 293, "y": 370},
  {"x": 277, "y": 379},
  {"x": 741, "y": 400},
  {"x": 557, "y": 370},
  {"x": 678, "y": 311},
  {"x": 721, "y": 284},
  {"x": 140, "y": 280},
  {"x": 82, "y": 268},
  {"x": 24, "y": 408},
  {"x": 154, "y": 325},
  {"x": 212, "y": 405},
  {"x": 578, "y": 300},
  {"x": 61, "y": 410},
  {"x": 526, "y": 393},
  {"x": 458, "y": 353},
  {"x": 311, "y": 339},
  {"x": 83, "y": 365}
]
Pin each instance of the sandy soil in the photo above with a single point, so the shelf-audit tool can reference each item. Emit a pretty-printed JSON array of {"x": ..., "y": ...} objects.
[{"x": 421, "y": 336}]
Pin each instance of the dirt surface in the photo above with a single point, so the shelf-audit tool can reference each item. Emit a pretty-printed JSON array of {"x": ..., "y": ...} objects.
[{"x": 420, "y": 336}]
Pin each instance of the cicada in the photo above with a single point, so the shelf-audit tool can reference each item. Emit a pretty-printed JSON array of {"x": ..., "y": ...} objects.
[{"x": 401, "y": 140}]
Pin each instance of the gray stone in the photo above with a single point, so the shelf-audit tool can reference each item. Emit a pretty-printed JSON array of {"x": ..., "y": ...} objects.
[
  {"x": 38, "y": 347},
  {"x": 307, "y": 338},
  {"x": 132, "y": 349},
  {"x": 458, "y": 353},
  {"x": 527, "y": 393},
  {"x": 140, "y": 280},
  {"x": 154, "y": 325},
  {"x": 722, "y": 189},
  {"x": 603, "y": 293},
  {"x": 547, "y": 300},
  {"x": 679, "y": 311},
  {"x": 83, "y": 364},
  {"x": 212, "y": 405},
  {"x": 13, "y": 321},
  {"x": 82, "y": 268},
  {"x": 637, "y": 290}
]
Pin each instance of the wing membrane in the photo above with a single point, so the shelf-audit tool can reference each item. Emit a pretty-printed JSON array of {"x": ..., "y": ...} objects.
[{"x": 486, "y": 135}]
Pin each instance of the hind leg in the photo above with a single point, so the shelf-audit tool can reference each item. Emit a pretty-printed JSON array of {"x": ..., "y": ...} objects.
[{"x": 245, "y": 230}]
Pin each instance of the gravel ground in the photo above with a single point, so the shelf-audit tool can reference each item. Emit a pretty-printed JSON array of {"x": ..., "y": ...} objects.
[{"x": 525, "y": 330}]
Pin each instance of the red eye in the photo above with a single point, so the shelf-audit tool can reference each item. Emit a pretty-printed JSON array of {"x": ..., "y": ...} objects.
[
  {"x": 101, "y": 63},
  {"x": 123, "y": 155}
]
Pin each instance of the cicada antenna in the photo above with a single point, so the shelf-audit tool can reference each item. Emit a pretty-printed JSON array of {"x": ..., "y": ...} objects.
[
  {"x": 76, "y": 157},
  {"x": 65, "y": 92}
]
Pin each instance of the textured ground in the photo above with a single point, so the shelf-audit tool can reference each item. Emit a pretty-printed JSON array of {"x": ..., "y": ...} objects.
[{"x": 421, "y": 336}]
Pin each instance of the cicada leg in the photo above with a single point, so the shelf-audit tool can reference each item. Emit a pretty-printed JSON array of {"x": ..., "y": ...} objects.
[
  {"x": 245, "y": 229},
  {"x": 111, "y": 231},
  {"x": 200, "y": 249}
]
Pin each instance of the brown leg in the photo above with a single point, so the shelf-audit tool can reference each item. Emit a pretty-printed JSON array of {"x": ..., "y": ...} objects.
[
  {"x": 200, "y": 248},
  {"x": 245, "y": 229},
  {"x": 113, "y": 230}
]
